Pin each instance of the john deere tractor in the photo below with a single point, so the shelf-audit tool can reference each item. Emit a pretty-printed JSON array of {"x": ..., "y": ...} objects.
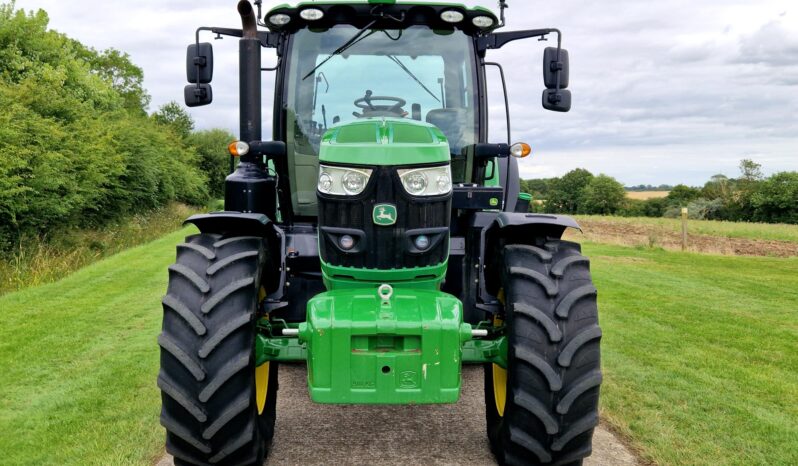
[{"x": 379, "y": 238}]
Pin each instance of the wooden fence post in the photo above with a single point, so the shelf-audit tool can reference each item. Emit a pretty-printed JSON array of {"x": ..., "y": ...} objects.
[{"x": 684, "y": 228}]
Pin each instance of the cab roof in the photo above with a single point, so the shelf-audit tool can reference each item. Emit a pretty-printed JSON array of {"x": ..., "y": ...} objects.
[{"x": 389, "y": 14}]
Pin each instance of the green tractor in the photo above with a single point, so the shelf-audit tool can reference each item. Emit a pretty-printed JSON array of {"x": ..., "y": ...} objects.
[{"x": 379, "y": 238}]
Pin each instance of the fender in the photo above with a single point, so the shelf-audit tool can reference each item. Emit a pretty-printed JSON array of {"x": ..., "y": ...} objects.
[
  {"x": 233, "y": 223},
  {"x": 523, "y": 225},
  {"x": 249, "y": 224},
  {"x": 512, "y": 228}
]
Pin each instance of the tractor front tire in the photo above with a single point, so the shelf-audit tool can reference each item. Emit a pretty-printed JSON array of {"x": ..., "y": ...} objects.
[
  {"x": 541, "y": 409},
  {"x": 210, "y": 404}
]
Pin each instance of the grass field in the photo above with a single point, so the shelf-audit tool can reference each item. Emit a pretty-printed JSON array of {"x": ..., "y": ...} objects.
[
  {"x": 79, "y": 361},
  {"x": 643, "y": 195},
  {"x": 43, "y": 260},
  {"x": 699, "y": 354}
]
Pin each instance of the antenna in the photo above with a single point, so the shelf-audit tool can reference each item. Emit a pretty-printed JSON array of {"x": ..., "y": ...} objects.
[
  {"x": 258, "y": 4},
  {"x": 502, "y": 6}
]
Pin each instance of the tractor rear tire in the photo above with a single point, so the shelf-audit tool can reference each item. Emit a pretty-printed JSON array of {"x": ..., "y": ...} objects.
[
  {"x": 207, "y": 378},
  {"x": 543, "y": 408}
]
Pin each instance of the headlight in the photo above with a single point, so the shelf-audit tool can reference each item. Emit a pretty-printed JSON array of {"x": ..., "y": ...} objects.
[
  {"x": 482, "y": 21},
  {"x": 434, "y": 181},
  {"x": 354, "y": 182},
  {"x": 279, "y": 19},
  {"x": 342, "y": 181}
]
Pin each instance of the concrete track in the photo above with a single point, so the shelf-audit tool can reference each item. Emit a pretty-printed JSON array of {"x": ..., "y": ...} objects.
[{"x": 312, "y": 434}]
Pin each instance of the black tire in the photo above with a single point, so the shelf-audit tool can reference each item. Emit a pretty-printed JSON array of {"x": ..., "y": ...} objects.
[
  {"x": 207, "y": 376},
  {"x": 553, "y": 374}
]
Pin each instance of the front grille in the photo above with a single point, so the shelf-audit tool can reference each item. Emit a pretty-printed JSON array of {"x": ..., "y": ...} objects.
[{"x": 383, "y": 247}]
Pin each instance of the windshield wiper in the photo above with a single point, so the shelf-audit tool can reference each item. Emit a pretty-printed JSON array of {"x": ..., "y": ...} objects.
[
  {"x": 343, "y": 48},
  {"x": 410, "y": 73}
]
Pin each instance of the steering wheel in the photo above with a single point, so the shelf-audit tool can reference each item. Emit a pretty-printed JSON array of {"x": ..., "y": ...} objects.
[{"x": 369, "y": 109}]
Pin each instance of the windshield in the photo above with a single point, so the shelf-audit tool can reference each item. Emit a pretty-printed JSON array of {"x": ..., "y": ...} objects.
[{"x": 415, "y": 73}]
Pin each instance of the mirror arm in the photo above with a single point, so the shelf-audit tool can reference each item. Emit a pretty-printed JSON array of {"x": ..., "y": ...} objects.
[
  {"x": 499, "y": 39},
  {"x": 267, "y": 39}
]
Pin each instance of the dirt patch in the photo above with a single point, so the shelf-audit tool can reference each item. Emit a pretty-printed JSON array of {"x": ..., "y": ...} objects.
[{"x": 655, "y": 236}]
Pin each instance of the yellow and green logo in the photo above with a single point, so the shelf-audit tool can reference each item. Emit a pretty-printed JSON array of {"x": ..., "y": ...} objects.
[{"x": 384, "y": 214}]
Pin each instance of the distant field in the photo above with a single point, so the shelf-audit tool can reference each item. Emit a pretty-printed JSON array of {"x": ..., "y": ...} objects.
[
  {"x": 643, "y": 195},
  {"x": 758, "y": 239}
]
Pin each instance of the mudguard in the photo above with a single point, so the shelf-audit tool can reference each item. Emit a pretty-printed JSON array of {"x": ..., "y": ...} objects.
[
  {"x": 232, "y": 223},
  {"x": 511, "y": 228},
  {"x": 516, "y": 223}
]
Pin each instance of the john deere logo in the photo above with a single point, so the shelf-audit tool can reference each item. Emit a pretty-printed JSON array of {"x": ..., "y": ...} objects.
[{"x": 384, "y": 214}]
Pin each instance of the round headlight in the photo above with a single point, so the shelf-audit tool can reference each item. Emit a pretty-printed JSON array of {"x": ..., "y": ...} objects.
[
  {"x": 346, "y": 242},
  {"x": 444, "y": 184},
  {"x": 452, "y": 16},
  {"x": 415, "y": 183},
  {"x": 279, "y": 19},
  {"x": 325, "y": 182},
  {"x": 422, "y": 242},
  {"x": 311, "y": 14},
  {"x": 354, "y": 182},
  {"x": 482, "y": 21}
]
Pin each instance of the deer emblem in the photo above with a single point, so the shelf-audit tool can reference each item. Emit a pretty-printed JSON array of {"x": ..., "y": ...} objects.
[{"x": 384, "y": 214}]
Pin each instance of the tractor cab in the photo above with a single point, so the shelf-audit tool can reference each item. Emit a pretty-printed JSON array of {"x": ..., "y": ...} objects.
[{"x": 379, "y": 237}]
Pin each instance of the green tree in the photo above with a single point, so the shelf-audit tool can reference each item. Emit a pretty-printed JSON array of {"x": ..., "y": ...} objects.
[
  {"x": 718, "y": 187},
  {"x": 116, "y": 68},
  {"x": 538, "y": 188},
  {"x": 174, "y": 116},
  {"x": 76, "y": 148},
  {"x": 603, "y": 195},
  {"x": 214, "y": 160},
  {"x": 750, "y": 171},
  {"x": 565, "y": 195},
  {"x": 776, "y": 199},
  {"x": 682, "y": 194}
]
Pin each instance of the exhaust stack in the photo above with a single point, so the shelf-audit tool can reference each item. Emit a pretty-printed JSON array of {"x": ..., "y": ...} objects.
[
  {"x": 248, "y": 20},
  {"x": 249, "y": 75}
]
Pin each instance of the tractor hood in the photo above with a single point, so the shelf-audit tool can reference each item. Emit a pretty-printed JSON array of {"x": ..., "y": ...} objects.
[{"x": 384, "y": 141}]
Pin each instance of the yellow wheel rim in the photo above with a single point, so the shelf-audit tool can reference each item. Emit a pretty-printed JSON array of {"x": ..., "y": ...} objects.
[
  {"x": 499, "y": 388},
  {"x": 261, "y": 385},
  {"x": 262, "y": 371},
  {"x": 499, "y": 374}
]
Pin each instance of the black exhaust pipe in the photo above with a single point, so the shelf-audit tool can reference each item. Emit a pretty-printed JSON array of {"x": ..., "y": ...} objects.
[
  {"x": 249, "y": 76},
  {"x": 248, "y": 19}
]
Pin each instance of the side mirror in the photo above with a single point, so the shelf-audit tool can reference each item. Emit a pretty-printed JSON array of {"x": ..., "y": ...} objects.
[
  {"x": 273, "y": 149},
  {"x": 199, "y": 63},
  {"x": 557, "y": 101},
  {"x": 551, "y": 65},
  {"x": 197, "y": 95}
]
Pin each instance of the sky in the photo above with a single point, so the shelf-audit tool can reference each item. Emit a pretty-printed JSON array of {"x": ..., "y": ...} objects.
[{"x": 664, "y": 91}]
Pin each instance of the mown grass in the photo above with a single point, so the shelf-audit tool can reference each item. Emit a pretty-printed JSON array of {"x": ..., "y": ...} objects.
[
  {"x": 79, "y": 359},
  {"x": 36, "y": 261},
  {"x": 699, "y": 356},
  {"x": 761, "y": 231}
]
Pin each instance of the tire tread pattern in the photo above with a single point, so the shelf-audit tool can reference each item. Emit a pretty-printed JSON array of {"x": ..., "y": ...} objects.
[
  {"x": 207, "y": 353},
  {"x": 554, "y": 370}
]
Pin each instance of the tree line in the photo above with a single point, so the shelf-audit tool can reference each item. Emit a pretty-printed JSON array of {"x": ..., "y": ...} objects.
[
  {"x": 751, "y": 197},
  {"x": 77, "y": 146}
]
